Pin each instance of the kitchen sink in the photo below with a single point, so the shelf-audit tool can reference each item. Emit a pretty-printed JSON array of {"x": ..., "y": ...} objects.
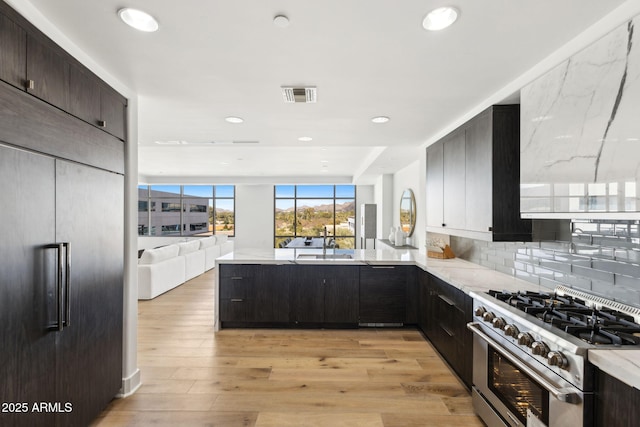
[{"x": 327, "y": 256}]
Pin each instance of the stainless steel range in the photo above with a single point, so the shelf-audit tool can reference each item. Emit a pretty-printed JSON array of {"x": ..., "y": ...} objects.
[{"x": 530, "y": 354}]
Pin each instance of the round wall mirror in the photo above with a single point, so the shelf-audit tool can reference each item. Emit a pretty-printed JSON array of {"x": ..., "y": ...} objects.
[{"x": 408, "y": 212}]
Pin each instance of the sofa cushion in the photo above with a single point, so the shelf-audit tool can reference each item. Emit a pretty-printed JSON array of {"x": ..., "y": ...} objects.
[
  {"x": 208, "y": 242},
  {"x": 222, "y": 238},
  {"x": 153, "y": 256},
  {"x": 188, "y": 247}
]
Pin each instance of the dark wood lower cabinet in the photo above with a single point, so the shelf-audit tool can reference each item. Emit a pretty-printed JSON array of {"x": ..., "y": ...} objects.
[
  {"x": 288, "y": 296},
  {"x": 388, "y": 294},
  {"x": 445, "y": 313},
  {"x": 253, "y": 295},
  {"x": 617, "y": 404},
  {"x": 325, "y": 295}
]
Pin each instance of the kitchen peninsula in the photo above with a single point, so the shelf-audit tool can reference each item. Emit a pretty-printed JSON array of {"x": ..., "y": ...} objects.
[{"x": 287, "y": 288}]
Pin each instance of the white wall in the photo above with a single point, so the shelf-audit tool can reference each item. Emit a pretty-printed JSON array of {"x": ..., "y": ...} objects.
[
  {"x": 412, "y": 177},
  {"x": 254, "y": 216}
]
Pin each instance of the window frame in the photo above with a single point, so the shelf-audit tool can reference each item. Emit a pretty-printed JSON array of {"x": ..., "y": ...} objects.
[
  {"x": 185, "y": 201},
  {"x": 295, "y": 198}
]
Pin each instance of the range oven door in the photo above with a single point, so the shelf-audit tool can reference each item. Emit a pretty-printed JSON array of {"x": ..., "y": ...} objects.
[{"x": 508, "y": 391}]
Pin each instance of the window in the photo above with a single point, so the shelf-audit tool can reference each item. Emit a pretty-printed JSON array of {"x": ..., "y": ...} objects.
[
  {"x": 186, "y": 210},
  {"x": 304, "y": 210}
]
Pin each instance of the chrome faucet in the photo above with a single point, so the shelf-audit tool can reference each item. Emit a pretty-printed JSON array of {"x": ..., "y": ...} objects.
[{"x": 324, "y": 241}]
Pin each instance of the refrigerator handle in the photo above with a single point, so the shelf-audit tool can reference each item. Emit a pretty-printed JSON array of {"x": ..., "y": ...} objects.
[
  {"x": 59, "y": 247},
  {"x": 67, "y": 284}
]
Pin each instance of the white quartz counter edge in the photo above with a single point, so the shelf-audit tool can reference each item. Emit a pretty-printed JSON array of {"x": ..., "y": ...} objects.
[{"x": 621, "y": 364}]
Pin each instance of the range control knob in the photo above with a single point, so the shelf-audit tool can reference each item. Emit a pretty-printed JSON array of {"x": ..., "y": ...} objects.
[
  {"x": 555, "y": 358},
  {"x": 511, "y": 330},
  {"x": 525, "y": 338},
  {"x": 480, "y": 311},
  {"x": 488, "y": 316},
  {"x": 539, "y": 348},
  {"x": 499, "y": 323}
]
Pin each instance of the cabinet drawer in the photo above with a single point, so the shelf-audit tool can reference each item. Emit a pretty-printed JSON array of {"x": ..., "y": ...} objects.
[
  {"x": 234, "y": 310},
  {"x": 237, "y": 271},
  {"x": 232, "y": 287}
]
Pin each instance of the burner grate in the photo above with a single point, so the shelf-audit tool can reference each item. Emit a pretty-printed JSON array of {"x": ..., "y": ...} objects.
[{"x": 600, "y": 302}]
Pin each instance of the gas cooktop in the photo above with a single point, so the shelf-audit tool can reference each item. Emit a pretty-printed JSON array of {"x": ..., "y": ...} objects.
[{"x": 598, "y": 325}]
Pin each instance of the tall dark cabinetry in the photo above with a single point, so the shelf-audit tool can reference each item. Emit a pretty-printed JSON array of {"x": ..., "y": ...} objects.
[{"x": 61, "y": 251}]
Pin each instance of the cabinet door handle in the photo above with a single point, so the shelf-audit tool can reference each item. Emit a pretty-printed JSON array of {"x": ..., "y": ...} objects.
[
  {"x": 30, "y": 84},
  {"x": 236, "y": 278},
  {"x": 446, "y": 300},
  {"x": 448, "y": 332},
  {"x": 380, "y": 267},
  {"x": 444, "y": 225},
  {"x": 102, "y": 123},
  {"x": 236, "y": 300}
]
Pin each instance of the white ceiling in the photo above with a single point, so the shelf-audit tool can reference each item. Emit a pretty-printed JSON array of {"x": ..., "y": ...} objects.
[{"x": 213, "y": 59}]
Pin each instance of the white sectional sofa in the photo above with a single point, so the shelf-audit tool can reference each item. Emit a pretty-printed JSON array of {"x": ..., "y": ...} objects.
[{"x": 175, "y": 261}]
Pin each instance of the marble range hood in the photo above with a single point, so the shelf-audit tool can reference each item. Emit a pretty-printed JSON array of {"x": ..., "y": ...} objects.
[{"x": 580, "y": 133}]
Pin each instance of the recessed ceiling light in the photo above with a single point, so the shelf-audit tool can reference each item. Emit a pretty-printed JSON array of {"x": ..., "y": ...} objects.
[
  {"x": 380, "y": 119},
  {"x": 305, "y": 139},
  {"x": 440, "y": 18},
  {"x": 138, "y": 19},
  {"x": 232, "y": 119},
  {"x": 281, "y": 21}
]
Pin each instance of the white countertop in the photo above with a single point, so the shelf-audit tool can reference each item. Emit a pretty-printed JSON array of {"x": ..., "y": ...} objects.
[{"x": 621, "y": 364}]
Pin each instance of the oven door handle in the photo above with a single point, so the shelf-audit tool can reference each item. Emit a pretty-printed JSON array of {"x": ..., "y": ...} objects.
[{"x": 569, "y": 395}]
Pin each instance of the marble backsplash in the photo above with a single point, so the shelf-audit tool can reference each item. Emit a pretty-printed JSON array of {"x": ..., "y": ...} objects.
[{"x": 603, "y": 258}]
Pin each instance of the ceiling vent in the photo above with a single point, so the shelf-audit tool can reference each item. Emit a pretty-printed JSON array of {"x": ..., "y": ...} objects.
[{"x": 299, "y": 94}]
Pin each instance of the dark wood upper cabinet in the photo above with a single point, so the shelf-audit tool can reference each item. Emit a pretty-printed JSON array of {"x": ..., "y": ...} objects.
[
  {"x": 13, "y": 51},
  {"x": 113, "y": 110},
  {"x": 95, "y": 103},
  {"x": 47, "y": 73},
  {"x": 473, "y": 178},
  {"x": 31, "y": 61},
  {"x": 84, "y": 96}
]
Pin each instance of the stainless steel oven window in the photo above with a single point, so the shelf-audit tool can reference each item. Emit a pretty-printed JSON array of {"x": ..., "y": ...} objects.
[{"x": 516, "y": 390}]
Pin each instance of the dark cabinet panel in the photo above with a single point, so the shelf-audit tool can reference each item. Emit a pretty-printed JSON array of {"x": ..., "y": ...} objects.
[
  {"x": 307, "y": 294},
  {"x": 13, "y": 51},
  {"x": 90, "y": 347},
  {"x": 84, "y": 95},
  {"x": 28, "y": 283},
  {"x": 48, "y": 71},
  {"x": 251, "y": 295},
  {"x": 473, "y": 179},
  {"x": 270, "y": 294},
  {"x": 236, "y": 284},
  {"x": 435, "y": 185},
  {"x": 445, "y": 312},
  {"x": 62, "y": 334},
  {"x": 113, "y": 111},
  {"x": 454, "y": 180},
  {"x": 324, "y": 295},
  {"x": 617, "y": 404},
  {"x": 341, "y": 295},
  {"x": 95, "y": 103},
  {"x": 383, "y": 294}
]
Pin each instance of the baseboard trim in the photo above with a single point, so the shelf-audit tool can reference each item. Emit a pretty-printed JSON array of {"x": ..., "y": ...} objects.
[{"x": 130, "y": 385}]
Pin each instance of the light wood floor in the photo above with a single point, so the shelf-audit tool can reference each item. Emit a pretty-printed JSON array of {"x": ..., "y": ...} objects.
[{"x": 276, "y": 378}]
